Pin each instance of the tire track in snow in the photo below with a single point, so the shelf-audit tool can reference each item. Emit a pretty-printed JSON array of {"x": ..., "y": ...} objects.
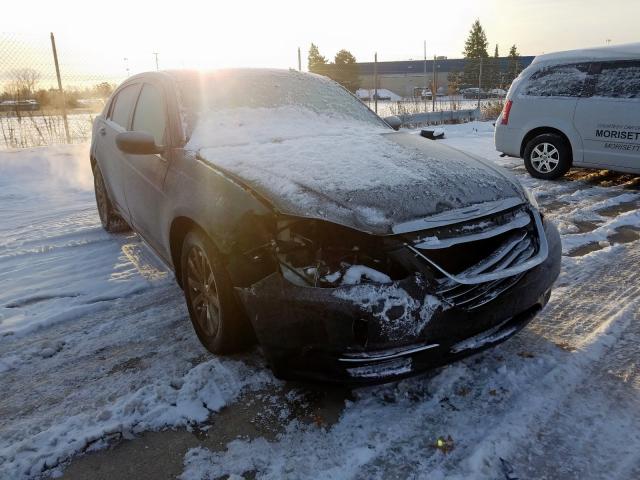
[{"x": 592, "y": 341}]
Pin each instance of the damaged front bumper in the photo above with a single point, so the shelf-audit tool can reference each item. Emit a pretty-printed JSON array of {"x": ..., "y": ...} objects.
[{"x": 370, "y": 333}]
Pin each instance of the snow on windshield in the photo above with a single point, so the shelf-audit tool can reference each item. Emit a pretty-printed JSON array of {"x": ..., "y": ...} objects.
[{"x": 244, "y": 90}]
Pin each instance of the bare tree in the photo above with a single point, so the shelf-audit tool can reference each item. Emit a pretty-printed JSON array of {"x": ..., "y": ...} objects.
[{"x": 23, "y": 81}]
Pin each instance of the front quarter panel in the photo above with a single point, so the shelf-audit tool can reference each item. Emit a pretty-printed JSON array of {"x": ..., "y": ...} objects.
[{"x": 238, "y": 223}]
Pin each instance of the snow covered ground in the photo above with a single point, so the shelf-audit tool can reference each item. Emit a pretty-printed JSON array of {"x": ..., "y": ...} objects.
[{"x": 96, "y": 347}]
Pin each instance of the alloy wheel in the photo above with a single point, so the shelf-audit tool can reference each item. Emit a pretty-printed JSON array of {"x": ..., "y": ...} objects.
[
  {"x": 202, "y": 291},
  {"x": 545, "y": 157}
]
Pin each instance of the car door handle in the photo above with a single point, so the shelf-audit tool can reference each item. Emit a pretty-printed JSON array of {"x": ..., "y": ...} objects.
[{"x": 102, "y": 131}]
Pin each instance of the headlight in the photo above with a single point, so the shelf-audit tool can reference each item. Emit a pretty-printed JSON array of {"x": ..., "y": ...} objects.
[
  {"x": 531, "y": 198},
  {"x": 314, "y": 253}
]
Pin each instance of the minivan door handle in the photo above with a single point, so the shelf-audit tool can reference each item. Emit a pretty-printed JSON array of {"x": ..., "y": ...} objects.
[{"x": 102, "y": 131}]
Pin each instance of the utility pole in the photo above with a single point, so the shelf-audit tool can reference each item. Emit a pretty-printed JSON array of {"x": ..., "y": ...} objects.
[
  {"x": 62, "y": 96},
  {"x": 299, "y": 61},
  {"x": 479, "y": 82},
  {"x": 375, "y": 82},
  {"x": 126, "y": 65},
  {"x": 434, "y": 86},
  {"x": 156, "y": 54},
  {"x": 424, "y": 91}
]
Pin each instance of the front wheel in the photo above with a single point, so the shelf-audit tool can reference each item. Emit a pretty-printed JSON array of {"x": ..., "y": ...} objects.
[
  {"x": 217, "y": 318},
  {"x": 547, "y": 156}
]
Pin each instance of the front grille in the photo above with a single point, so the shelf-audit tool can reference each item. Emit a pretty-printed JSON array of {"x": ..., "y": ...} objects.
[
  {"x": 476, "y": 261},
  {"x": 470, "y": 297}
]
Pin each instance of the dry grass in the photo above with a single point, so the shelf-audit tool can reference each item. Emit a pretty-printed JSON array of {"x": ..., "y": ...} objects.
[
  {"x": 491, "y": 109},
  {"x": 33, "y": 129}
]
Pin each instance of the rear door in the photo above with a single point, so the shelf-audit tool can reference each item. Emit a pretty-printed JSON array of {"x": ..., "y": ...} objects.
[
  {"x": 110, "y": 158},
  {"x": 144, "y": 174},
  {"x": 609, "y": 120}
]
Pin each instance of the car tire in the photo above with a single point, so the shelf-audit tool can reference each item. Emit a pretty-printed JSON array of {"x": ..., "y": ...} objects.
[
  {"x": 111, "y": 221},
  {"x": 547, "y": 156},
  {"x": 217, "y": 317}
]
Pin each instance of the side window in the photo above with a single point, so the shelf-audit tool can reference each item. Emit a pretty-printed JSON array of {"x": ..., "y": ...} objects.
[
  {"x": 618, "y": 80},
  {"x": 123, "y": 105},
  {"x": 150, "y": 114},
  {"x": 557, "y": 81}
]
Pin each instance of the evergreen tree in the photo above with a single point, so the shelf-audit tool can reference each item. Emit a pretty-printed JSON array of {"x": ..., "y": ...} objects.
[
  {"x": 496, "y": 72},
  {"x": 345, "y": 70},
  {"x": 475, "y": 51},
  {"x": 514, "y": 67},
  {"x": 315, "y": 60},
  {"x": 491, "y": 71}
]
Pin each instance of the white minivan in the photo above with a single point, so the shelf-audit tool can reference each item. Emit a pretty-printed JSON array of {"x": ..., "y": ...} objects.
[{"x": 577, "y": 108}]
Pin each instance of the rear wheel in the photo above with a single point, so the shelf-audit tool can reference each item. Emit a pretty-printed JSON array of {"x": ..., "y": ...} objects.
[
  {"x": 109, "y": 218},
  {"x": 216, "y": 316},
  {"x": 547, "y": 156}
]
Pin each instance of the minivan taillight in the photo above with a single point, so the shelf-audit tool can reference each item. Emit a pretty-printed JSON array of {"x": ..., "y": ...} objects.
[{"x": 505, "y": 112}]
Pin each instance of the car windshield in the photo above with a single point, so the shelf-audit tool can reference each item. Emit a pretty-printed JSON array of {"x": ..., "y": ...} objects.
[{"x": 244, "y": 90}]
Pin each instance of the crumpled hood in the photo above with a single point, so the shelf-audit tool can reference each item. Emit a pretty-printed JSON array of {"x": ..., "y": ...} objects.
[{"x": 369, "y": 180}]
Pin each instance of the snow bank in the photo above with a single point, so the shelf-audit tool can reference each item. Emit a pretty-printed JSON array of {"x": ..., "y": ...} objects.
[{"x": 204, "y": 390}]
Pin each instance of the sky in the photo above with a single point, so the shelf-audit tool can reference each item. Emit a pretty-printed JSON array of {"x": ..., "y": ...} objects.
[{"x": 213, "y": 34}]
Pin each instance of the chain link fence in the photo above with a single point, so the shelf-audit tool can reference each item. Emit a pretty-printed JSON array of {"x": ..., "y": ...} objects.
[
  {"x": 395, "y": 90},
  {"x": 44, "y": 103},
  {"x": 41, "y": 104}
]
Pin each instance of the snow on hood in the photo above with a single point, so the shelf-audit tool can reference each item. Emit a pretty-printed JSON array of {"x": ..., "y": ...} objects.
[{"x": 357, "y": 174}]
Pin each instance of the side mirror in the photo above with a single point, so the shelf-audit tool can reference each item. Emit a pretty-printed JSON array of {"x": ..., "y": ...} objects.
[
  {"x": 394, "y": 122},
  {"x": 137, "y": 143}
]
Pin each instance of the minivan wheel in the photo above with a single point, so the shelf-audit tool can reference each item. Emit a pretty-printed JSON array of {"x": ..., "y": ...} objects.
[
  {"x": 109, "y": 218},
  {"x": 547, "y": 156},
  {"x": 217, "y": 318}
]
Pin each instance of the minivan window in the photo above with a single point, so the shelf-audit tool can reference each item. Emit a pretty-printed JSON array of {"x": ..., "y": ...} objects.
[
  {"x": 124, "y": 102},
  {"x": 619, "y": 80},
  {"x": 150, "y": 114},
  {"x": 557, "y": 81}
]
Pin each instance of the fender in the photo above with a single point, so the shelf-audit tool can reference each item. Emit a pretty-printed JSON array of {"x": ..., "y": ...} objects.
[
  {"x": 563, "y": 125},
  {"x": 237, "y": 221}
]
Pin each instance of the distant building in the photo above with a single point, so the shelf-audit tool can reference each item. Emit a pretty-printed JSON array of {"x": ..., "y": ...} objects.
[{"x": 406, "y": 77}]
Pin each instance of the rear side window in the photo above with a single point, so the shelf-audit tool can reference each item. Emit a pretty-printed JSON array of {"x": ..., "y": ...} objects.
[
  {"x": 557, "y": 81},
  {"x": 124, "y": 102},
  {"x": 150, "y": 115},
  {"x": 618, "y": 80}
]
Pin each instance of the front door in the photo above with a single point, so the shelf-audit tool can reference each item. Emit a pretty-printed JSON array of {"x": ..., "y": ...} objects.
[
  {"x": 110, "y": 157},
  {"x": 144, "y": 174}
]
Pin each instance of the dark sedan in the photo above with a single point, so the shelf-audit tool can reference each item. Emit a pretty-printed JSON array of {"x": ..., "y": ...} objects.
[{"x": 293, "y": 215}]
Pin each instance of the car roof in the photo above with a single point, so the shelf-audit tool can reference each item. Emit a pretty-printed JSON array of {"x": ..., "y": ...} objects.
[
  {"x": 193, "y": 74},
  {"x": 629, "y": 51}
]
